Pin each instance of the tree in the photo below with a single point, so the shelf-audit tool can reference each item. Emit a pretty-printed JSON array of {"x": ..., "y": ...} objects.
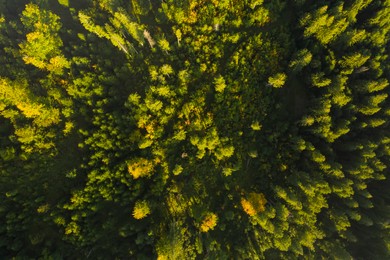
[{"x": 42, "y": 47}]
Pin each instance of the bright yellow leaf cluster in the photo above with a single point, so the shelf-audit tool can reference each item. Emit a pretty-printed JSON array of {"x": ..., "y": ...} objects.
[
  {"x": 248, "y": 208},
  {"x": 254, "y": 204},
  {"x": 209, "y": 222},
  {"x": 140, "y": 167},
  {"x": 141, "y": 209}
]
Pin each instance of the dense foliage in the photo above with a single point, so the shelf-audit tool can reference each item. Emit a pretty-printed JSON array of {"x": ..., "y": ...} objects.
[{"x": 183, "y": 129}]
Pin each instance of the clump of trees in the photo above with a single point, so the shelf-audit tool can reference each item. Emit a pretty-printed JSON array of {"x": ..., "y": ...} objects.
[{"x": 194, "y": 129}]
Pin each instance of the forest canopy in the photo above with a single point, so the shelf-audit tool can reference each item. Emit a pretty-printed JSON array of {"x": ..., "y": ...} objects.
[{"x": 193, "y": 129}]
